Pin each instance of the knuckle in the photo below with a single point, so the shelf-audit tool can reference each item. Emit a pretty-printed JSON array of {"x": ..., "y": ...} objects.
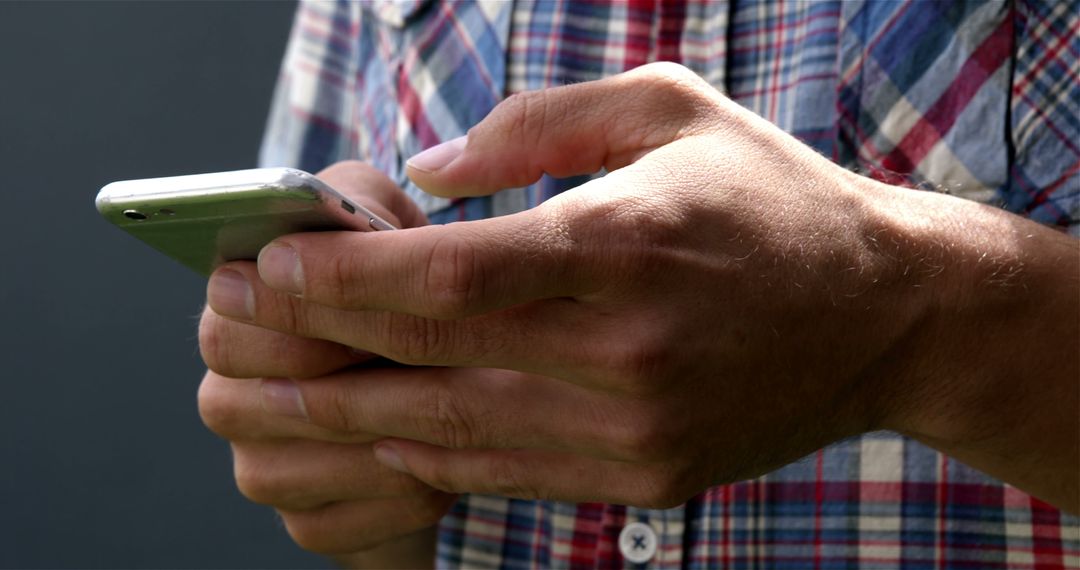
[
  {"x": 532, "y": 119},
  {"x": 290, "y": 315},
  {"x": 282, "y": 312},
  {"x": 687, "y": 100},
  {"x": 341, "y": 282},
  {"x": 647, "y": 360},
  {"x": 637, "y": 367},
  {"x": 664, "y": 495},
  {"x": 442, "y": 418},
  {"x": 508, "y": 479},
  {"x": 348, "y": 527},
  {"x": 401, "y": 484},
  {"x": 630, "y": 234},
  {"x": 254, "y": 482},
  {"x": 442, "y": 480},
  {"x": 677, "y": 84},
  {"x": 646, "y": 436},
  {"x": 334, "y": 409},
  {"x": 521, "y": 117},
  {"x": 664, "y": 489},
  {"x": 247, "y": 352},
  {"x": 667, "y": 70},
  {"x": 415, "y": 340},
  {"x": 319, "y": 531},
  {"x": 453, "y": 279},
  {"x": 289, "y": 358},
  {"x": 302, "y": 533},
  {"x": 644, "y": 221},
  {"x": 424, "y": 511},
  {"x": 216, "y": 409},
  {"x": 213, "y": 344},
  {"x": 281, "y": 355}
]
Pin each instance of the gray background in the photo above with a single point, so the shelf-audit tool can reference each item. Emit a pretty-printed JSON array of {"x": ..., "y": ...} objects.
[{"x": 103, "y": 459}]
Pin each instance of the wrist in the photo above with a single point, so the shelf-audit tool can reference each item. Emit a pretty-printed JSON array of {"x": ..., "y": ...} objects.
[
  {"x": 952, "y": 265},
  {"x": 988, "y": 370}
]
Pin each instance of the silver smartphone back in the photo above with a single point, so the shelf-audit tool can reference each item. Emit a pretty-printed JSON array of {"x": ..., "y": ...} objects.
[{"x": 204, "y": 220}]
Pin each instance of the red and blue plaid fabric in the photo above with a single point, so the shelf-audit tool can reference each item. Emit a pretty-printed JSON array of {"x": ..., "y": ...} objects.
[{"x": 975, "y": 98}]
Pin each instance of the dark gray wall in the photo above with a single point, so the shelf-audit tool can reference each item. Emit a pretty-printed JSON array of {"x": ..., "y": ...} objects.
[{"x": 103, "y": 459}]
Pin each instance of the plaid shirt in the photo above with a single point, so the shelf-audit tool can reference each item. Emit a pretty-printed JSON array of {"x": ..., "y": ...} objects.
[{"x": 979, "y": 99}]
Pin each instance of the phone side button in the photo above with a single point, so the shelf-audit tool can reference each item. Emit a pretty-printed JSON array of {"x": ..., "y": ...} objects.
[{"x": 379, "y": 225}]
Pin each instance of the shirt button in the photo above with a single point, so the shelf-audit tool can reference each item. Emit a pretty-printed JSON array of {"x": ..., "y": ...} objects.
[{"x": 637, "y": 542}]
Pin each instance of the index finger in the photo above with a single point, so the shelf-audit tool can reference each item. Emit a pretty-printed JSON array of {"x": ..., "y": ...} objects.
[
  {"x": 441, "y": 272},
  {"x": 372, "y": 189}
]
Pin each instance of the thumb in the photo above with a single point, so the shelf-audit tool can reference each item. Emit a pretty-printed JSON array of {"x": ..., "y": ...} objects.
[{"x": 568, "y": 131}]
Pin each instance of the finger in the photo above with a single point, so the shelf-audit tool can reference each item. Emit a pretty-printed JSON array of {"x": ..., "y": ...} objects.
[
  {"x": 480, "y": 408},
  {"x": 442, "y": 272},
  {"x": 570, "y": 130},
  {"x": 541, "y": 475},
  {"x": 239, "y": 350},
  {"x": 370, "y": 188},
  {"x": 233, "y": 409},
  {"x": 520, "y": 338},
  {"x": 303, "y": 474},
  {"x": 405, "y": 552},
  {"x": 352, "y": 526}
]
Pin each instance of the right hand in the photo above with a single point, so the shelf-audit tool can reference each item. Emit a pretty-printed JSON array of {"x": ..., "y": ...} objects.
[{"x": 331, "y": 493}]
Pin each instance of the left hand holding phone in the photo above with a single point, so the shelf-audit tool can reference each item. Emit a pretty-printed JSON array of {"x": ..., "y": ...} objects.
[{"x": 331, "y": 493}]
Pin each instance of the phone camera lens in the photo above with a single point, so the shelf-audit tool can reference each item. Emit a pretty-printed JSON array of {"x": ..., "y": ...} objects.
[{"x": 134, "y": 215}]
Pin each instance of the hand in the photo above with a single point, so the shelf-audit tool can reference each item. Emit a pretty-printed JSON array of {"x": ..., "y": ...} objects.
[
  {"x": 332, "y": 495},
  {"x": 722, "y": 303}
]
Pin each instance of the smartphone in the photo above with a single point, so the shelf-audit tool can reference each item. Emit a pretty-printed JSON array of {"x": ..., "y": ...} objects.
[{"x": 204, "y": 220}]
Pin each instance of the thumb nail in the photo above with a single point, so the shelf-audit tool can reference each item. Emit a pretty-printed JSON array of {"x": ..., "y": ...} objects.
[{"x": 439, "y": 155}]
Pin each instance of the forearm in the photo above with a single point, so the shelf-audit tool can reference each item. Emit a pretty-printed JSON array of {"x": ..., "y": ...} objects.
[
  {"x": 413, "y": 551},
  {"x": 998, "y": 382}
]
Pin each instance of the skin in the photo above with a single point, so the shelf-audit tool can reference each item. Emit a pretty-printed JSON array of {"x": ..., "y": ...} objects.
[
  {"x": 722, "y": 303},
  {"x": 330, "y": 492}
]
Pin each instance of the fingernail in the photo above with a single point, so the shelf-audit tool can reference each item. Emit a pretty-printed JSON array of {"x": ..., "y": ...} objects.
[
  {"x": 282, "y": 397},
  {"x": 279, "y": 267},
  {"x": 389, "y": 457},
  {"x": 229, "y": 295},
  {"x": 439, "y": 155}
]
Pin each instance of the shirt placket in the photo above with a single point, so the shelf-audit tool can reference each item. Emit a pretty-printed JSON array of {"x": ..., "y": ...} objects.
[{"x": 667, "y": 528}]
